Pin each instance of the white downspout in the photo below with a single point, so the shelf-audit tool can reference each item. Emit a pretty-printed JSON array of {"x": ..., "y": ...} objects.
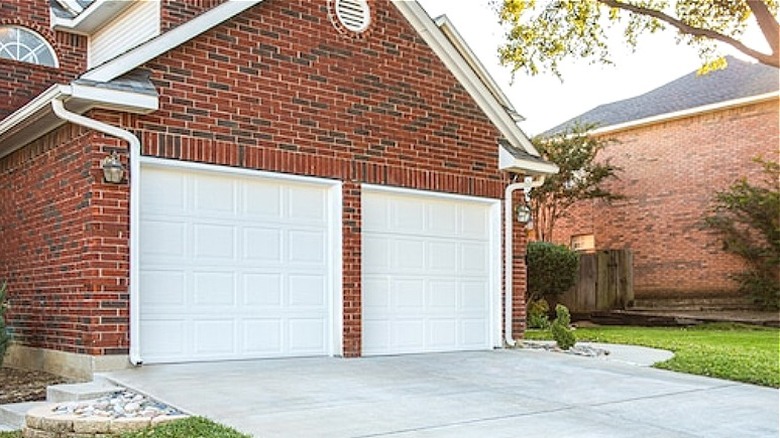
[
  {"x": 135, "y": 171},
  {"x": 509, "y": 220}
]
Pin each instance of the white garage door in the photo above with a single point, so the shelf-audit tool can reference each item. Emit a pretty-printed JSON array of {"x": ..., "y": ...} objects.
[
  {"x": 429, "y": 273},
  {"x": 232, "y": 266}
]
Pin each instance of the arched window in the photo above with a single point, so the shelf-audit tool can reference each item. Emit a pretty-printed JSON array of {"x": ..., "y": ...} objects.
[{"x": 21, "y": 44}]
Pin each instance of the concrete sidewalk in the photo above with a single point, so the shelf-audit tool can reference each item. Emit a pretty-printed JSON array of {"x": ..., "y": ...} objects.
[{"x": 503, "y": 393}]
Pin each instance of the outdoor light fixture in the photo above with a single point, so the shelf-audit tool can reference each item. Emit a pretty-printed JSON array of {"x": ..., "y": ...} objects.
[
  {"x": 113, "y": 171},
  {"x": 523, "y": 214}
]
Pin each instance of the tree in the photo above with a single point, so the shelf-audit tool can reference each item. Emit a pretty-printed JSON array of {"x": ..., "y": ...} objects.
[
  {"x": 580, "y": 177},
  {"x": 544, "y": 32},
  {"x": 747, "y": 217}
]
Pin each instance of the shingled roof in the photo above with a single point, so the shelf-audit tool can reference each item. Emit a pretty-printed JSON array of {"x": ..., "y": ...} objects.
[{"x": 739, "y": 80}]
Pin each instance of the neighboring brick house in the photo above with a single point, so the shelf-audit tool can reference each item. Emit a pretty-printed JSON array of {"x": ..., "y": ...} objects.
[
  {"x": 678, "y": 145},
  {"x": 302, "y": 178}
]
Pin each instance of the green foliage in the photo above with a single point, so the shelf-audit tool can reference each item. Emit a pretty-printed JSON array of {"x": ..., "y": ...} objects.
[
  {"x": 746, "y": 216},
  {"x": 552, "y": 269},
  {"x": 14, "y": 434},
  {"x": 561, "y": 330},
  {"x": 580, "y": 176},
  {"x": 187, "y": 428},
  {"x": 5, "y": 338},
  {"x": 537, "y": 314},
  {"x": 728, "y": 351},
  {"x": 542, "y": 33}
]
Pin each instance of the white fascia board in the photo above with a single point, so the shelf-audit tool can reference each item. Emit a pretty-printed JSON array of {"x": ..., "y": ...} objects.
[
  {"x": 36, "y": 118},
  {"x": 509, "y": 163},
  {"x": 451, "y": 32},
  {"x": 687, "y": 113},
  {"x": 438, "y": 42},
  {"x": 116, "y": 99},
  {"x": 168, "y": 41},
  {"x": 91, "y": 19}
]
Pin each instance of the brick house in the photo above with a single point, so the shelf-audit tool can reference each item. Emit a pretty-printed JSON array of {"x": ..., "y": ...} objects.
[
  {"x": 677, "y": 145},
  {"x": 300, "y": 178}
]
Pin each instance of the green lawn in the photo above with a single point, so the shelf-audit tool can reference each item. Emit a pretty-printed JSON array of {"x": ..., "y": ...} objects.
[
  {"x": 194, "y": 427},
  {"x": 728, "y": 351}
]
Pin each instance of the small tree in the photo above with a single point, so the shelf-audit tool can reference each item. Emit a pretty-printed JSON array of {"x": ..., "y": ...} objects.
[
  {"x": 580, "y": 177},
  {"x": 747, "y": 216},
  {"x": 552, "y": 270},
  {"x": 4, "y": 337},
  {"x": 561, "y": 328}
]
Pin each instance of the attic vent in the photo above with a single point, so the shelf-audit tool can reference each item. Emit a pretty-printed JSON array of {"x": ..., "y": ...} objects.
[{"x": 353, "y": 14}]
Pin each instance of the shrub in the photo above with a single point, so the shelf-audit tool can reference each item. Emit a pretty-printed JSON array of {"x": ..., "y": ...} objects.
[
  {"x": 537, "y": 314},
  {"x": 552, "y": 269},
  {"x": 561, "y": 332},
  {"x": 746, "y": 217},
  {"x": 5, "y": 338}
]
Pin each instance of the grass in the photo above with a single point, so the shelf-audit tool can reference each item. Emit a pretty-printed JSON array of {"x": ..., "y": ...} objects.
[
  {"x": 729, "y": 351},
  {"x": 194, "y": 427}
]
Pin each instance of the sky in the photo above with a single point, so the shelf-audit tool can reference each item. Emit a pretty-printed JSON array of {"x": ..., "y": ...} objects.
[{"x": 544, "y": 100}]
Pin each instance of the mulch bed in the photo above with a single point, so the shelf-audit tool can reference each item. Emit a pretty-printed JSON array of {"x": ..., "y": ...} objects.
[{"x": 18, "y": 386}]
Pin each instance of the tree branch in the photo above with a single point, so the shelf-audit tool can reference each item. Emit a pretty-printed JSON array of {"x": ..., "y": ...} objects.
[
  {"x": 768, "y": 24},
  {"x": 768, "y": 59}
]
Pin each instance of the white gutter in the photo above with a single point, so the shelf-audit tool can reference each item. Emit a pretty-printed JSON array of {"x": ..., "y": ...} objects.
[
  {"x": 134, "y": 146},
  {"x": 509, "y": 221}
]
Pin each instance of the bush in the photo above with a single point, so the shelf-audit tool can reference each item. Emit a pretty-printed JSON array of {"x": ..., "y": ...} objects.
[
  {"x": 745, "y": 215},
  {"x": 561, "y": 332},
  {"x": 5, "y": 338},
  {"x": 537, "y": 314},
  {"x": 552, "y": 269}
]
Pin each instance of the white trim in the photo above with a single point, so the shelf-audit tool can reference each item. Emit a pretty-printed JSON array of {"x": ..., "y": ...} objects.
[
  {"x": 688, "y": 112},
  {"x": 115, "y": 98},
  {"x": 494, "y": 222},
  {"x": 509, "y": 163},
  {"x": 449, "y": 30},
  {"x": 443, "y": 47},
  {"x": 90, "y": 19},
  {"x": 42, "y": 101},
  {"x": 167, "y": 41},
  {"x": 335, "y": 263}
]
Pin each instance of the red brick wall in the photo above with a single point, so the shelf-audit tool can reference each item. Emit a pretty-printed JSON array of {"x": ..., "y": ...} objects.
[
  {"x": 20, "y": 82},
  {"x": 176, "y": 12},
  {"x": 279, "y": 88},
  {"x": 671, "y": 171},
  {"x": 64, "y": 237}
]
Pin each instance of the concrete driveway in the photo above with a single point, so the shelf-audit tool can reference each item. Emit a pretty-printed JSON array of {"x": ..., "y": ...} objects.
[{"x": 503, "y": 393}]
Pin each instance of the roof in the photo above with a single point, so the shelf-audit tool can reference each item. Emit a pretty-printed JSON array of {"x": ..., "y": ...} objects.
[
  {"x": 68, "y": 8},
  {"x": 739, "y": 80}
]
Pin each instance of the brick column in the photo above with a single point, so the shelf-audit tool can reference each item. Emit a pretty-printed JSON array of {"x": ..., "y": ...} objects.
[
  {"x": 352, "y": 269},
  {"x": 519, "y": 241}
]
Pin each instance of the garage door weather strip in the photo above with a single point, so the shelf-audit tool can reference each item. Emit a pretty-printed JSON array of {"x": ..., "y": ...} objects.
[
  {"x": 509, "y": 220},
  {"x": 134, "y": 145}
]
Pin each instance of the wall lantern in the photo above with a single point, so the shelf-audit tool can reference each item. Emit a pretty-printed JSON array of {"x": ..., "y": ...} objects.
[
  {"x": 523, "y": 214},
  {"x": 113, "y": 171}
]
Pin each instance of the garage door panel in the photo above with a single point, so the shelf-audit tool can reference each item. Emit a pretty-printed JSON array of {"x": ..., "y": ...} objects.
[
  {"x": 306, "y": 247},
  {"x": 263, "y": 337},
  {"x": 307, "y": 290},
  {"x": 213, "y": 289},
  {"x": 161, "y": 238},
  {"x": 262, "y": 290},
  {"x": 229, "y": 273},
  {"x": 214, "y": 338},
  {"x": 214, "y": 241},
  {"x": 438, "y": 275},
  {"x": 262, "y": 244},
  {"x": 172, "y": 200},
  {"x": 162, "y": 288}
]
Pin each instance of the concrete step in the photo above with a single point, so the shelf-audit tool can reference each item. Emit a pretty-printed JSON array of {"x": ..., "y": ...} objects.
[
  {"x": 693, "y": 304},
  {"x": 67, "y": 392},
  {"x": 12, "y": 415}
]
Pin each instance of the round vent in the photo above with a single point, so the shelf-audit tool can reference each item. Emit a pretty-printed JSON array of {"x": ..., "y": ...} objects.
[{"x": 353, "y": 14}]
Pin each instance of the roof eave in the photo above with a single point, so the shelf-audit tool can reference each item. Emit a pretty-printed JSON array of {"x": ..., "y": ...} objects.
[
  {"x": 37, "y": 118},
  {"x": 687, "y": 113},
  {"x": 90, "y": 19}
]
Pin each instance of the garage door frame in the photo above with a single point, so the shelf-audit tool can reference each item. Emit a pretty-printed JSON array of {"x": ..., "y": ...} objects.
[
  {"x": 495, "y": 244},
  {"x": 333, "y": 241}
]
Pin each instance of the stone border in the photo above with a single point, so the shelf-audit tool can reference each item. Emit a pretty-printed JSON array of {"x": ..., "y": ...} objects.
[{"x": 44, "y": 422}]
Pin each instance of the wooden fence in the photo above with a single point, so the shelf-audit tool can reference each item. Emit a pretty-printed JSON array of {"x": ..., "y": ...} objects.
[{"x": 605, "y": 282}]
